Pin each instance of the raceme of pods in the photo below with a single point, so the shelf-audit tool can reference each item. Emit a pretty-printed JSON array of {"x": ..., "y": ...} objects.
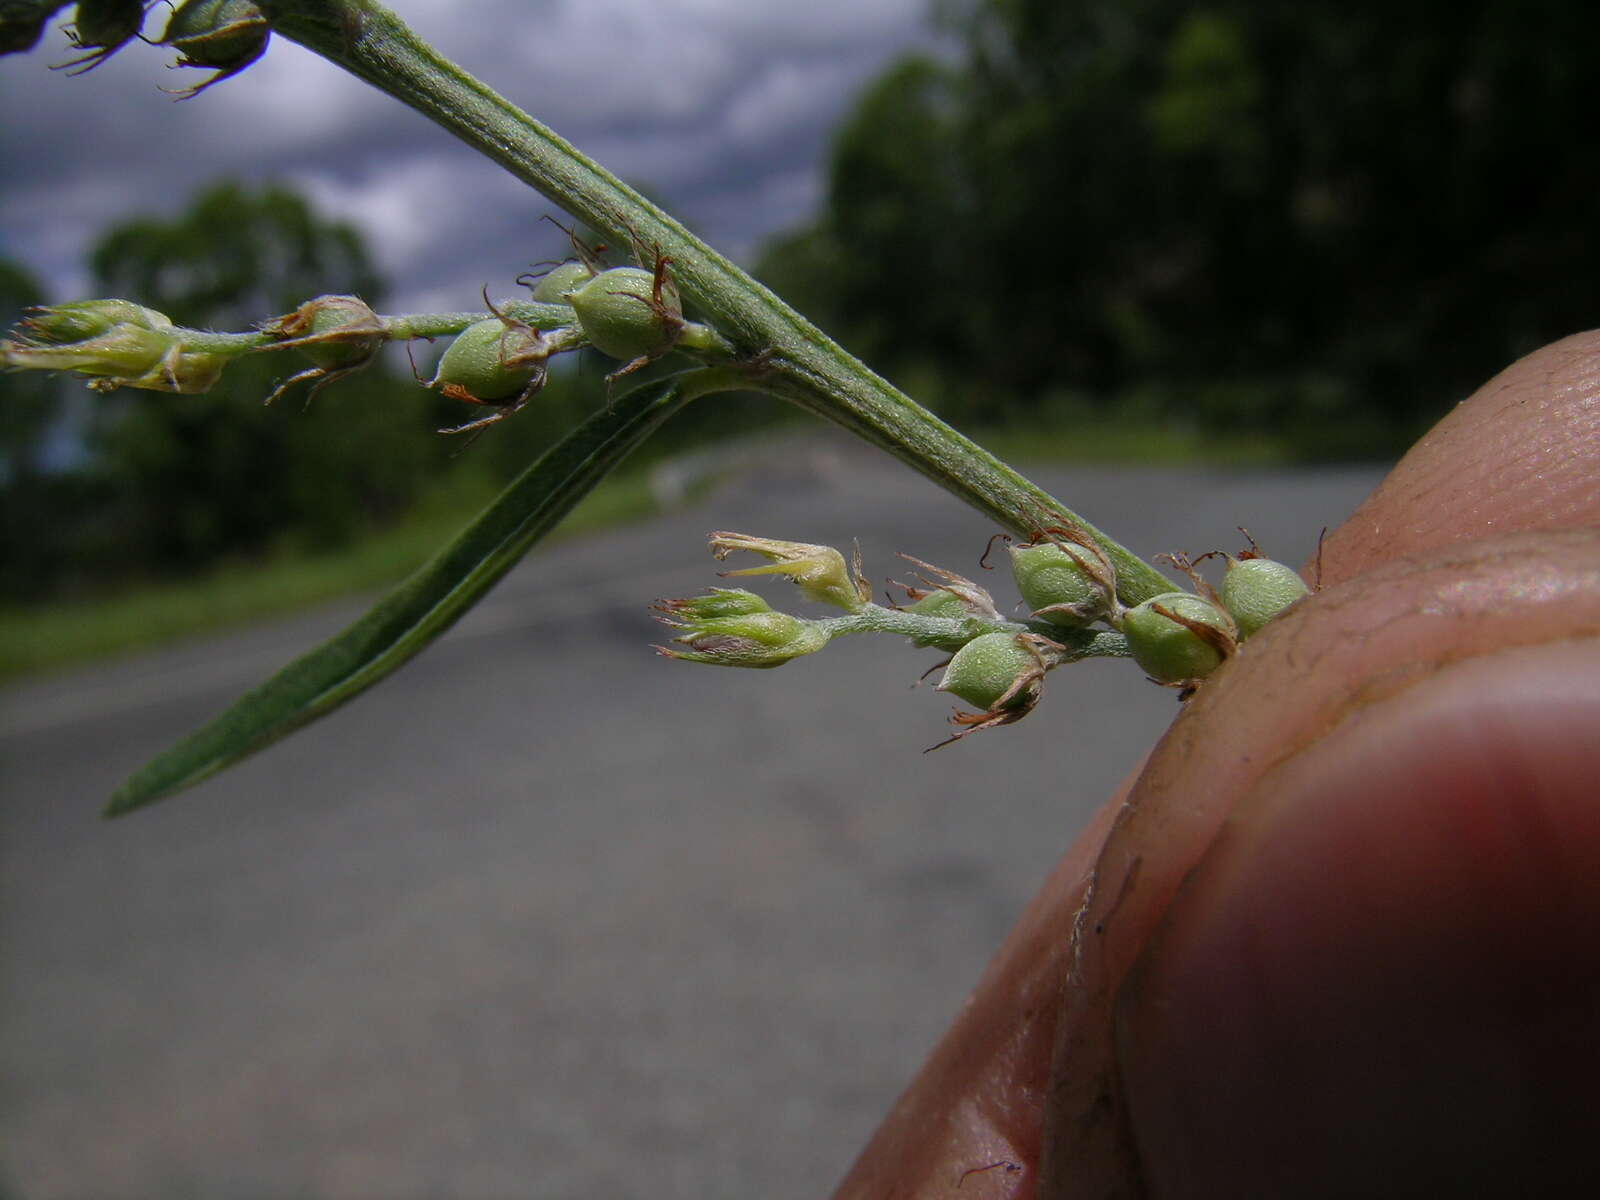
[
  {"x": 997, "y": 665},
  {"x": 497, "y": 359},
  {"x": 1086, "y": 595}
]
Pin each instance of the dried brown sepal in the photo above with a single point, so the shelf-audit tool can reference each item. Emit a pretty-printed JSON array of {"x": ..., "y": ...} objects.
[
  {"x": 1181, "y": 562},
  {"x": 975, "y": 600},
  {"x": 1220, "y": 640}
]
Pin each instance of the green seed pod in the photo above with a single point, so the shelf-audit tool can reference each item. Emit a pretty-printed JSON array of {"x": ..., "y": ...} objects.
[
  {"x": 938, "y": 603},
  {"x": 221, "y": 35},
  {"x": 987, "y": 668},
  {"x": 623, "y": 313},
  {"x": 22, "y": 21},
  {"x": 1169, "y": 651},
  {"x": 1057, "y": 587},
  {"x": 755, "y": 639},
  {"x": 229, "y": 34},
  {"x": 332, "y": 331},
  {"x": 103, "y": 27},
  {"x": 558, "y": 281},
  {"x": 491, "y": 361},
  {"x": 1255, "y": 590},
  {"x": 340, "y": 334}
]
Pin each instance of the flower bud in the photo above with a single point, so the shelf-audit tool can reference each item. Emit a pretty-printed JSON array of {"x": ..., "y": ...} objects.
[
  {"x": 754, "y": 639},
  {"x": 818, "y": 571},
  {"x": 1177, "y": 636},
  {"x": 225, "y": 35},
  {"x": 1255, "y": 590},
  {"x": 717, "y": 602},
  {"x": 559, "y": 280},
  {"x": 1058, "y": 584},
  {"x": 119, "y": 342},
  {"x": 491, "y": 361},
  {"x": 85, "y": 319},
  {"x": 629, "y": 313}
]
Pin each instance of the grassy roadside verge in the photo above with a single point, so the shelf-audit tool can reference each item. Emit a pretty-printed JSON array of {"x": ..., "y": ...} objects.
[
  {"x": 40, "y": 639},
  {"x": 1136, "y": 445},
  {"x": 35, "y": 640}
]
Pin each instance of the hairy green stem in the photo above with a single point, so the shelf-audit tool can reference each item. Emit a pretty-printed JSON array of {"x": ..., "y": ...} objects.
[
  {"x": 951, "y": 633},
  {"x": 421, "y": 325},
  {"x": 799, "y": 362},
  {"x": 703, "y": 342}
]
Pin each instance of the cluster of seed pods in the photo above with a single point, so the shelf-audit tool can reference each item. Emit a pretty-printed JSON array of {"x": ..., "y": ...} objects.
[
  {"x": 1177, "y": 638},
  {"x": 998, "y": 665}
]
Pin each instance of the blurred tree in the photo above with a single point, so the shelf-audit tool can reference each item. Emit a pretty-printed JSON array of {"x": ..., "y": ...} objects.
[
  {"x": 234, "y": 256},
  {"x": 883, "y": 267},
  {"x": 203, "y": 477},
  {"x": 29, "y": 404},
  {"x": 1319, "y": 216},
  {"x": 27, "y": 399}
]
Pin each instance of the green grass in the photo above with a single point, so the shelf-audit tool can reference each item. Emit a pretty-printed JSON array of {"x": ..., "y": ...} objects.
[
  {"x": 49, "y": 637},
  {"x": 1144, "y": 444}
]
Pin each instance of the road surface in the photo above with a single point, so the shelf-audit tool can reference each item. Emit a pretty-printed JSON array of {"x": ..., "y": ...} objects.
[{"x": 547, "y": 915}]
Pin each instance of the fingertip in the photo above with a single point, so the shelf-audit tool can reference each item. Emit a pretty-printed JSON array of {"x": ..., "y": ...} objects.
[
  {"x": 1383, "y": 978},
  {"x": 1522, "y": 453}
]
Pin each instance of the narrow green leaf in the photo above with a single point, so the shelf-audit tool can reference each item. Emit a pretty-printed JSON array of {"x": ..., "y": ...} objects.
[{"x": 422, "y": 607}]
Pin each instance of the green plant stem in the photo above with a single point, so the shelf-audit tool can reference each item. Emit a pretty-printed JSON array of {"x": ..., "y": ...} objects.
[
  {"x": 702, "y": 341},
  {"x": 798, "y": 362},
  {"x": 951, "y": 633},
  {"x": 420, "y": 325},
  {"x": 395, "y": 328}
]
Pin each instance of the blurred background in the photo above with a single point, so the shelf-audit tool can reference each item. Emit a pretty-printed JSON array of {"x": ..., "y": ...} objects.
[{"x": 546, "y": 914}]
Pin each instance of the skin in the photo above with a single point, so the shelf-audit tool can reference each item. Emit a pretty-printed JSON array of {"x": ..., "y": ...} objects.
[{"x": 1341, "y": 934}]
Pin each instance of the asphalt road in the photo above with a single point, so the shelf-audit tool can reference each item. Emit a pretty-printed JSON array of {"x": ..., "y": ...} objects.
[{"x": 547, "y": 915}]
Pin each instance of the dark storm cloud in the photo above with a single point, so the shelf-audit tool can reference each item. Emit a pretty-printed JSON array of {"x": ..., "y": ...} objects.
[{"x": 720, "y": 108}]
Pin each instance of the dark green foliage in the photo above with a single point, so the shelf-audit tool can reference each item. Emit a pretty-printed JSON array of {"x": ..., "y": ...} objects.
[
  {"x": 174, "y": 483},
  {"x": 29, "y": 403},
  {"x": 27, "y": 399},
  {"x": 202, "y": 477},
  {"x": 1325, "y": 219},
  {"x": 234, "y": 257}
]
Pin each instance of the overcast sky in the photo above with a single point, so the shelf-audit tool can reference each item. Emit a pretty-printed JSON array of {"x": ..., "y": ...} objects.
[{"x": 722, "y": 108}]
